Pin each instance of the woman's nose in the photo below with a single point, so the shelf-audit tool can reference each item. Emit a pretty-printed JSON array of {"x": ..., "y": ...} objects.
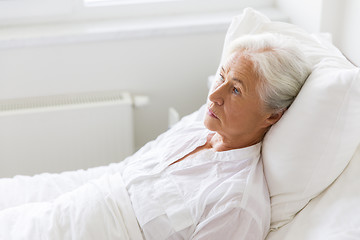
[{"x": 216, "y": 96}]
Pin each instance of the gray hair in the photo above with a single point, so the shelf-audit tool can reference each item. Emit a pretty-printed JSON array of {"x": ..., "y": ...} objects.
[{"x": 278, "y": 62}]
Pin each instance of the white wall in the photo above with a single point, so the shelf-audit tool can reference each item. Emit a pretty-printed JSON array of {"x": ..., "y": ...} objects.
[
  {"x": 349, "y": 34},
  {"x": 305, "y": 13},
  {"x": 339, "y": 17}
]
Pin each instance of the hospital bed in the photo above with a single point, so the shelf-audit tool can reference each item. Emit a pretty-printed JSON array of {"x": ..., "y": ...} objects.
[{"x": 311, "y": 160}]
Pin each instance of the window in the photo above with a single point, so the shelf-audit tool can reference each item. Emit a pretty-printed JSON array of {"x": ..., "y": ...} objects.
[
  {"x": 114, "y": 2},
  {"x": 36, "y": 11},
  {"x": 14, "y": 12}
]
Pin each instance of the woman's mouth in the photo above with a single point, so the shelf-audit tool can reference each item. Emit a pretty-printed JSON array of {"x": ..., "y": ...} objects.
[{"x": 211, "y": 113}]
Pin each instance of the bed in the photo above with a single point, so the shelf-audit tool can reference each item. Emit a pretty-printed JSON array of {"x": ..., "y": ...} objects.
[{"x": 311, "y": 162}]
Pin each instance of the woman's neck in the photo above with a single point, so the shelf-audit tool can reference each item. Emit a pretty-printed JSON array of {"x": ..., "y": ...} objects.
[{"x": 220, "y": 143}]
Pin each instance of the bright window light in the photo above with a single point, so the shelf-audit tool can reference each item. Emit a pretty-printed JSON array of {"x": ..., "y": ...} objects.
[
  {"x": 129, "y": 1},
  {"x": 126, "y": 2},
  {"x": 40, "y": 11}
]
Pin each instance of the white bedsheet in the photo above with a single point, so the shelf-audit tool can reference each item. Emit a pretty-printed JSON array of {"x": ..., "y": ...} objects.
[
  {"x": 98, "y": 209},
  {"x": 22, "y": 189}
]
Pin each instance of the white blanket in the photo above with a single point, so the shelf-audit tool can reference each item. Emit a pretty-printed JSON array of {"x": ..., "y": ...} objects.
[{"x": 98, "y": 209}]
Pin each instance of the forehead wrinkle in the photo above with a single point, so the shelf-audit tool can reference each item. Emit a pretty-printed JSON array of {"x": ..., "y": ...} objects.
[{"x": 240, "y": 67}]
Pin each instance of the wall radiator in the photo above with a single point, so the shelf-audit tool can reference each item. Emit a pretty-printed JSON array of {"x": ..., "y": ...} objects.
[{"x": 67, "y": 132}]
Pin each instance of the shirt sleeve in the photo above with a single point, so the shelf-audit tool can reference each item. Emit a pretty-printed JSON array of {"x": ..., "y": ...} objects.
[{"x": 232, "y": 224}]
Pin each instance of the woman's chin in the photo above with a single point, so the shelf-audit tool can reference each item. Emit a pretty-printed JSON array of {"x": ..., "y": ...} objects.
[{"x": 210, "y": 123}]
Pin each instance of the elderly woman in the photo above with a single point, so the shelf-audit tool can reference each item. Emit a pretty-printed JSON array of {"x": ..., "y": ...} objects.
[{"x": 203, "y": 178}]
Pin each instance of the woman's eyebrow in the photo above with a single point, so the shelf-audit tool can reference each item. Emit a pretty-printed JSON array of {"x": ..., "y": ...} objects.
[
  {"x": 240, "y": 81},
  {"x": 235, "y": 79}
]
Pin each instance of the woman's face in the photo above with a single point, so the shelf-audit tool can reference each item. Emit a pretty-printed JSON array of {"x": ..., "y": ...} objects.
[{"x": 235, "y": 110}]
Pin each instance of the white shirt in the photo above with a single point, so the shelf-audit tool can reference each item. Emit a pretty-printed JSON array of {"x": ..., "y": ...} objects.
[{"x": 208, "y": 195}]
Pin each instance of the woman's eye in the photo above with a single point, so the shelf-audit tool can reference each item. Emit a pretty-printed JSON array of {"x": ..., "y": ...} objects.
[
  {"x": 221, "y": 78},
  {"x": 236, "y": 91}
]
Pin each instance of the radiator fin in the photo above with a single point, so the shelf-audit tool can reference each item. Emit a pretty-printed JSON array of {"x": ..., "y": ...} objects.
[{"x": 72, "y": 100}]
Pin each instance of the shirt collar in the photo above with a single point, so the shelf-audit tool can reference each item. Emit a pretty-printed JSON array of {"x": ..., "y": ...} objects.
[{"x": 243, "y": 153}]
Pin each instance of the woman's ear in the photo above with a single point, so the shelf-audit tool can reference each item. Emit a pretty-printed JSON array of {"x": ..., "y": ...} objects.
[{"x": 274, "y": 117}]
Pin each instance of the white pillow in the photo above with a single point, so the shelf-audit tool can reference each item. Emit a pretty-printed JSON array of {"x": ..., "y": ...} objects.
[
  {"x": 315, "y": 47},
  {"x": 332, "y": 215},
  {"x": 313, "y": 142},
  {"x": 315, "y": 139}
]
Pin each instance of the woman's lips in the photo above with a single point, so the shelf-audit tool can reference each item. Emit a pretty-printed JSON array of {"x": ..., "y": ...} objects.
[{"x": 211, "y": 113}]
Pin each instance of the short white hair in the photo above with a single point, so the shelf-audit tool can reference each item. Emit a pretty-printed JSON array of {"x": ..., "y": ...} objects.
[{"x": 278, "y": 62}]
